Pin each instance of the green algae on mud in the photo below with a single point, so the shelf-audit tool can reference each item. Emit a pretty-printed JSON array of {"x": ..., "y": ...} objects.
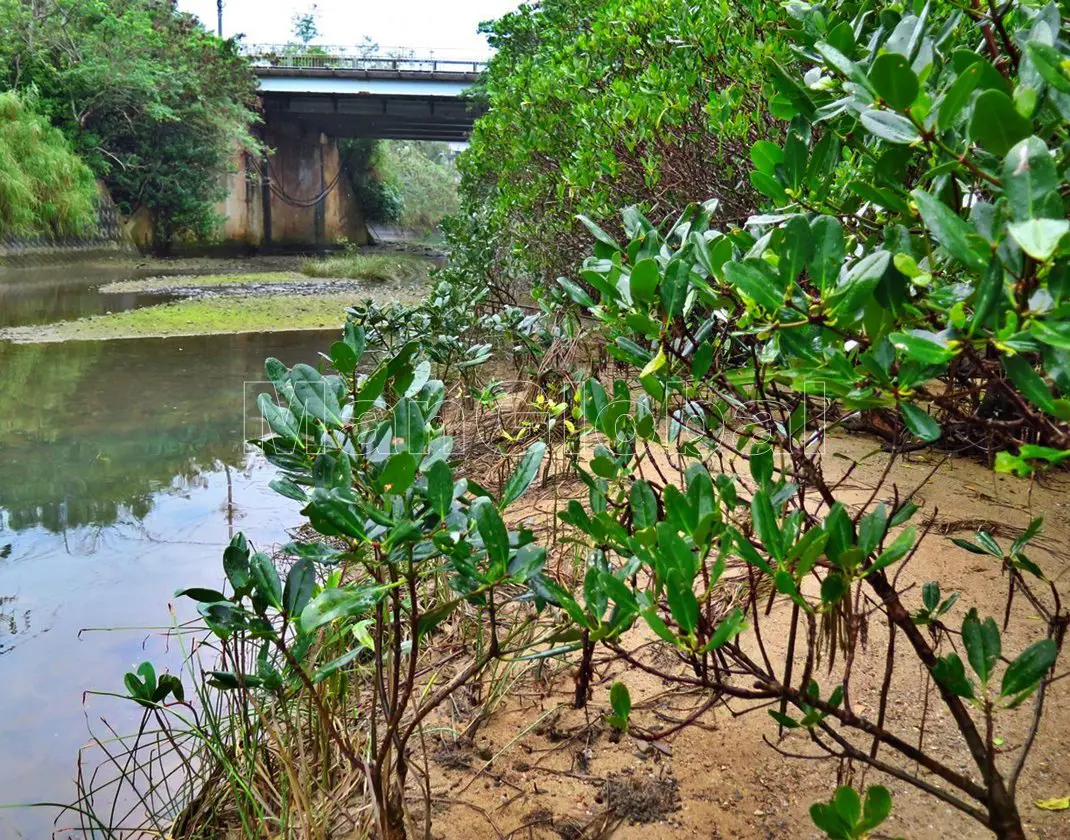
[{"x": 206, "y": 316}]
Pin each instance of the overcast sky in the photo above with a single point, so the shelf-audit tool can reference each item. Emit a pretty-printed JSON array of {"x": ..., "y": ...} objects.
[{"x": 445, "y": 25}]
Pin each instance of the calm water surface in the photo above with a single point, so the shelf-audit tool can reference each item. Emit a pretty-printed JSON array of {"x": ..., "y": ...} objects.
[{"x": 123, "y": 472}]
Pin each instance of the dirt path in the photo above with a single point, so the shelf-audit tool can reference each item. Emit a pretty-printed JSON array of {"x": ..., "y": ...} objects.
[{"x": 540, "y": 769}]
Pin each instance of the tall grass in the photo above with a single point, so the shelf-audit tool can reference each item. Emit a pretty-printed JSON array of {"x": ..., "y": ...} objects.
[
  {"x": 45, "y": 188},
  {"x": 384, "y": 267}
]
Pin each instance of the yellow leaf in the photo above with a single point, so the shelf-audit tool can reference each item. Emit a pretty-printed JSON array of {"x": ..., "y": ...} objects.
[{"x": 1054, "y": 804}]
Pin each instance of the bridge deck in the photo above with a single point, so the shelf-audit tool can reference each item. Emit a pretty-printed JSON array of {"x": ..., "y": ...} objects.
[{"x": 362, "y": 95}]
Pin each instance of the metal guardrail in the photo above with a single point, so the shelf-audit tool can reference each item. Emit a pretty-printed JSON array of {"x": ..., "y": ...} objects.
[{"x": 316, "y": 57}]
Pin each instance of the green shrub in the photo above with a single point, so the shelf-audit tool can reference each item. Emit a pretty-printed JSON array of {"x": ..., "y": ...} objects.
[
  {"x": 596, "y": 105},
  {"x": 45, "y": 188},
  {"x": 911, "y": 270}
]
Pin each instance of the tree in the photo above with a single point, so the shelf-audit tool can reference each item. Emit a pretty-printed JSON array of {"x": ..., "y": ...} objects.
[
  {"x": 305, "y": 26},
  {"x": 594, "y": 105},
  {"x": 156, "y": 106}
]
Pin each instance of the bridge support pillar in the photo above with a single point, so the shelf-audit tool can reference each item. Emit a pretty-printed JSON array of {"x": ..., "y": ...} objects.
[{"x": 297, "y": 197}]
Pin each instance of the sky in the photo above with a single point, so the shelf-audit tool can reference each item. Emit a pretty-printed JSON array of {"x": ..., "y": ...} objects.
[{"x": 446, "y": 26}]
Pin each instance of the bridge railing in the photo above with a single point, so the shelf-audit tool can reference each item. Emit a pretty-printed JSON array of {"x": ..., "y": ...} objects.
[{"x": 298, "y": 57}]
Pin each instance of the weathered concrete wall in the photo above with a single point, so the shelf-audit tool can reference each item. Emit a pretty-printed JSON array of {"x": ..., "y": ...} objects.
[
  {"x": 298, "y": 198},
  {"x": 243, "y": 208}
]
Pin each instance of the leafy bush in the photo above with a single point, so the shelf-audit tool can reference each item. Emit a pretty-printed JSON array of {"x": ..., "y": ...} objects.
[
  {"x": 594, "y": 105},
  {"x": 912, "y": 269},
  {"x": 423, "y": 173},
  {"x": 368, "y": 457},
  {"x": 379, "y": 199},
  {"x": 45, "y": 189}
]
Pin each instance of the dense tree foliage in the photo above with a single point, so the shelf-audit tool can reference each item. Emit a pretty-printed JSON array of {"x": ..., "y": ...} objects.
[
  {"x": 155, "y": 105},
  {"x": 594, "y": 105},
  {"x": 412, "y": 183},
  {"x": 45, "y": 189}
]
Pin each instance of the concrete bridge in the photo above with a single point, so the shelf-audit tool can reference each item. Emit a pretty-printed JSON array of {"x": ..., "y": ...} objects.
[{"x": 298, "y": 196}]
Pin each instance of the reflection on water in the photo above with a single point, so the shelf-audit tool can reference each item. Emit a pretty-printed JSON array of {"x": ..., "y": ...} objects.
[
  {"x": 122, "y": 474},
  {"x": 63, "y": 293}
]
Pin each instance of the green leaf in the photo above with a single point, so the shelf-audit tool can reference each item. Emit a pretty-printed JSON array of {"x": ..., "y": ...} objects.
[
  {"x": 1050, "y": 65},
  {"x": 1031, "y": 182},
  {"x": 682, "y": 601},
  {"x": 876, "y": 808},
  {"x": 731, "y": 626},
  {"x": 265, "y": 578},
  {"x": 920, "y": 424},
  {"x": 996, "y": 124},
  {"x": 576, "y": 292},
  {"x": 525, "y": 473},
  {"x": 236, "y": 564},
  {"x": 924, "y": 348},
  {"x": 1039, "y": 237},
  {"x": 958, "y": 95},
  {"x": 956, "y": 235},
  {"x": 343, "y": 358},
  {"x": 408, "y": 424},
  {"x": 674, "y": 289},
  {"x": 1029, "y": 668},
  {"x": 315, "y": 395},
  {"x": 204, "y": 596},
  {"x": 894, "y": 81},
  {"x": 847, "y": 804},
  {"x": 440, "y": 488},
  {"x": 598, "y": 233},
  {"x": 1029, "y": 383},
  {"x": 982, "y": 644},
  {"x": 280, "y": 419},
  {"x": 644, "y": 505},
  {"x": 702, "y": 360},
  {"x": 620, "y": 700},
  {"x": 398, "y": 473},
  {"x": 644, "y": 280},
  {"x": 766, "y": 156},
  {"x": 797, "y": 249},
  {"x": 951, "y": 674},
  {"x": 354, "y": 338},
  {"x": 827, "y": 234},
  {"x": 495, "y": 536},
  {"x": 768, "y": 186},
  {"x": 890, "y": 126},
  {"x": 300, "y": 582},
  {"x": 765, "y": 524},
  {"x": 756, "y": 284},
  {"x": 335, "y": 603}
]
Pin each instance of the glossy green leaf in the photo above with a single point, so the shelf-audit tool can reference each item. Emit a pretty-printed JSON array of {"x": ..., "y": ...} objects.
[
  {"x": 300, "y": 583},
  {"x": 495, "y": 536},
  {"x": 995, "y": 124},
  {"x": 1029, "y": 668},
  {"x": 644, "y": 280},
  {"x": 1039, "y": 237},
  {"x": 958, "y": 238},
  {"x": 265, "y": 578},
  {"x": 982, "y": 644},
  {"x": 890, "y": 126},
  {"x": 893, "y": 80},
  {"x": 756, "y": 283},
  {"x": 919, "y": 422}
]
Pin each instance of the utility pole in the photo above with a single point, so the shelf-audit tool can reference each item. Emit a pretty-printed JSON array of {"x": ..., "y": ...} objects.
[{"x": 219, "y": 17}]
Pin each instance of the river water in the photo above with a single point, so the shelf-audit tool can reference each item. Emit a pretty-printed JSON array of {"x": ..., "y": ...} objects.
[{"x": 123, "y": 473}]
